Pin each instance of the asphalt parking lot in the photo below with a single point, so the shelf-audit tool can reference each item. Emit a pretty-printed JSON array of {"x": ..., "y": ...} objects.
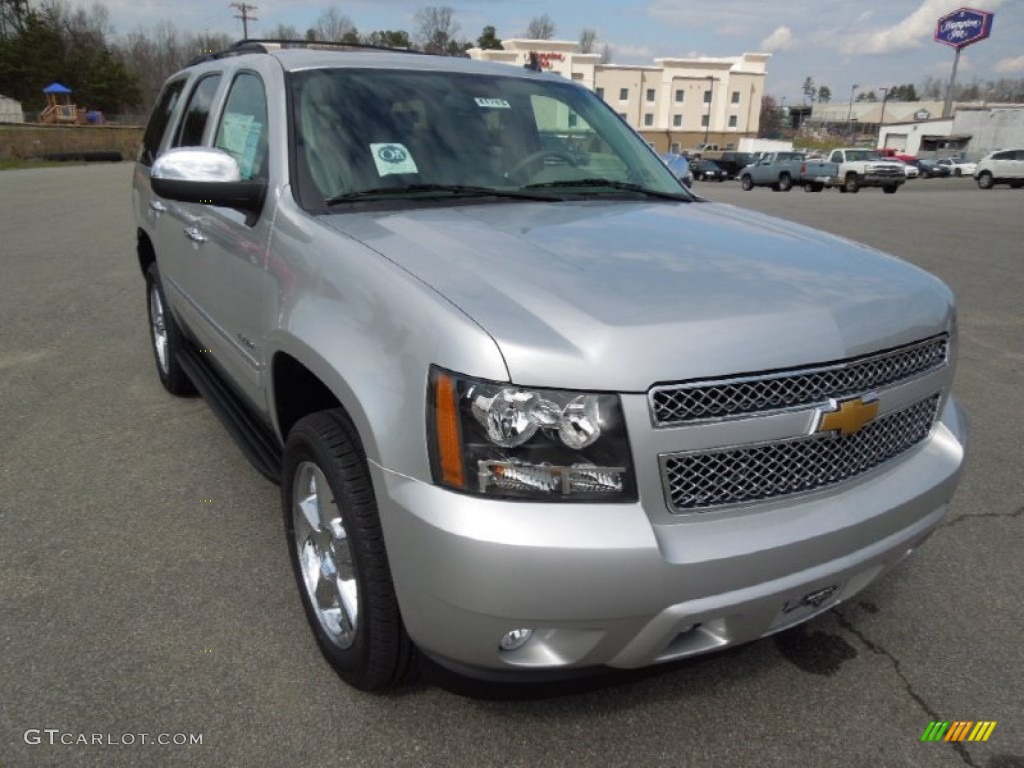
[{"x": 145, "y": 586}]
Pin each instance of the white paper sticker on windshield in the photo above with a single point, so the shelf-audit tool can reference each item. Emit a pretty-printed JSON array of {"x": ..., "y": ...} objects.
[
  {"x": 492, "y": 103},
  {"x": 393, "y": 158}
]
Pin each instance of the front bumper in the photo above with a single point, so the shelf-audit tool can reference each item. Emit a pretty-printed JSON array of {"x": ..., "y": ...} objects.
[{"x": 611, "y": 585}]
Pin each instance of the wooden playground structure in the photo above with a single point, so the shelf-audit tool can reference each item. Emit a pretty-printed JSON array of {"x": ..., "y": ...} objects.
[{"x": 61, "y": 110}]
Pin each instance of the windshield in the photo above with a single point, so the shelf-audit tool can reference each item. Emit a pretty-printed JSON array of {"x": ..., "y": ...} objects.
[
  {"x": 858, "y": 155},
  {"x": 386, "y": 134}
]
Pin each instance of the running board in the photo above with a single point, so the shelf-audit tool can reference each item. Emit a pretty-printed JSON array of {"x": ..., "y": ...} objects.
[{"x": 257, "y": 442}]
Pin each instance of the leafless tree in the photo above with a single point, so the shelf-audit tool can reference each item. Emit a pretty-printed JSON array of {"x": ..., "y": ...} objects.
[
  {"x": 541, "y": 28},
  {"x": 607, "y": 53},
  {"x": 332, "y": 25},
  {"x": 436, "y": 28},
  {"x": 283, "y": 32},
  {"x": 588, "y": 38}
]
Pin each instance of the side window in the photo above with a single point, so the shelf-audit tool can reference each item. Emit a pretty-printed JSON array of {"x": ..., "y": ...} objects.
[
  {"x": 159, "y": 120},
  {"x": 197, "y": 112},
  {"x": 837, "y": 157},
  {"x": 242, "y": 132}
]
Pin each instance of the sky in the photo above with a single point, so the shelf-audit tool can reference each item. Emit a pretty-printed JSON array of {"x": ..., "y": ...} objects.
[{"x": 838, "y": 43}]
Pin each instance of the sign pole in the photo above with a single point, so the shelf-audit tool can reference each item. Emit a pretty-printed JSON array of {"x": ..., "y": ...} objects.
[{"x": 947, "y": 108}]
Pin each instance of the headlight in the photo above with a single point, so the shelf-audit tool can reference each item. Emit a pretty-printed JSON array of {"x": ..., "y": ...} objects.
[{"x": 528, "y": 443}]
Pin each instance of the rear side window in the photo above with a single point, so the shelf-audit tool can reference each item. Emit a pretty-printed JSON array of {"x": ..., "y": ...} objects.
[
  {"x": 197, "y": 112},
  {"x": 159, "y": 120},
  {"x": 242, "y": 132}
]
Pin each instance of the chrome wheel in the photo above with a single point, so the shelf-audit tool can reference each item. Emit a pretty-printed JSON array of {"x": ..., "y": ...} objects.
[
  {"x": 156, "y": 321},
  {"x": 324, "y": 555}
]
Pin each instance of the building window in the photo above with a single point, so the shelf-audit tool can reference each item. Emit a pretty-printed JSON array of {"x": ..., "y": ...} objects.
[
  {"x": 649, "y": 119},
  {"x": 732, "y": 121},
  {"x": 577, "y": 75},
  {"x": 650, "y": 94},
  {"x": 600, "y": 93},
  {"x": 677, "y": 121},
  {"x": 622, "y": 115},
  {"x": 735, "y": 97},
  {"x": 573, "y": 119},
  {"x": 674, "y": 148},
  {"x": 707, "y": 96},
  {"x": 680, "y": 94},
  {"x": 704, "y": 121},
  {"x": 623, "y": 94}
]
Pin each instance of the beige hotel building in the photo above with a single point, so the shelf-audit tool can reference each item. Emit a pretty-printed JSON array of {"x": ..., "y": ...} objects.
[{"x": 676, "y": 104}]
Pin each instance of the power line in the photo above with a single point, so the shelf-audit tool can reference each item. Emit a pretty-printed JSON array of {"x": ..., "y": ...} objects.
[{"x": 245, "y": 17}]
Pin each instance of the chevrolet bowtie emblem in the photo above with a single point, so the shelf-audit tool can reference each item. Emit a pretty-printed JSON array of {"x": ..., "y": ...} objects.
[{"x": 850, "y": 418}]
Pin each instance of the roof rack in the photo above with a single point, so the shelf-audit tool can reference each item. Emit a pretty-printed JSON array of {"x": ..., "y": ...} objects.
[{"x": 268, "y": 45}]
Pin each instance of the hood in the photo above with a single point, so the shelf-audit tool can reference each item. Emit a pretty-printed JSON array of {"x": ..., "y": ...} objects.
[{"x": 618, "y": 295}]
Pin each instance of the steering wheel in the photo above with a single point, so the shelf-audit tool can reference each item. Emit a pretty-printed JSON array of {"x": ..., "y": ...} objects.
[{"x": 543, "y": 154}]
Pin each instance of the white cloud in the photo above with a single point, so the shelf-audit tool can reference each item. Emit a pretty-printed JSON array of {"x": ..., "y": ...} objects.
[
  {"x": 779, "y": 40},
  {"x": 1010, "y": 65},
  {"x": 911, "y": 32}
]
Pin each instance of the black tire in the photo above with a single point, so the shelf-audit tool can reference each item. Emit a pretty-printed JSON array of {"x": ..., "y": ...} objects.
[
  {"x": 785, "y": 182},
  {"x": 1016, "y": 184},
  {"x": 171, "y": 374},
  {"x": 890, "y": 189},
  {"x": 958, "y": 172},
  {"x": 851, "y": 183},
  {"x": 985, "y": 180},
  {"x": 746, "y": 183},
  {"x": 817, "y": 187},
  {"x": 376, "y": 654}
]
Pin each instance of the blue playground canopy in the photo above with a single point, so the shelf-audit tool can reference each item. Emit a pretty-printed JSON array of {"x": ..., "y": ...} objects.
[{"x": 56, "y": 88}]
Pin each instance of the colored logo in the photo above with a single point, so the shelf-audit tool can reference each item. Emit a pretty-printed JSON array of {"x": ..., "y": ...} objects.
[
  {"x": 963, "y": 27},
  {"x": 392, "y": 154},
  {"x": 958, "y": 730},
  {"x": 849, "y": 418}
]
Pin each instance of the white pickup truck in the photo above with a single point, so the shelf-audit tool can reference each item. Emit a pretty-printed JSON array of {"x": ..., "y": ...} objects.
[{"x": 853, "y": 168}]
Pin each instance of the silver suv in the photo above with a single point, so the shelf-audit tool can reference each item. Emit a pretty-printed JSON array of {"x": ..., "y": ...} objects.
[{"x": 532, "y": 405}]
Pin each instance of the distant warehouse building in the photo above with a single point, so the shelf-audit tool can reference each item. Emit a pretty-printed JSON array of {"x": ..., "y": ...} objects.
[
  {"x": 10, "y": 111},
  {"x": 972, "y": 132},
  {"x": 677, "y": 104}
]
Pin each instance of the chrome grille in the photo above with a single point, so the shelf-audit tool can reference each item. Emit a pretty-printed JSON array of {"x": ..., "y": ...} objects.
[
  {"x": 754, "y": 473},
  {"x": 721, "y": 398}
]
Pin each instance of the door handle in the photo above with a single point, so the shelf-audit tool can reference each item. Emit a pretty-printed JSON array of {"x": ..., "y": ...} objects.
[
  {"x": 156, "y": 208},
  {"x": 195, "y": 234}
]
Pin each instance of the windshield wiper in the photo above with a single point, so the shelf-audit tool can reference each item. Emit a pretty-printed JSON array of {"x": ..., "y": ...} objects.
[
  {"x": 612, "y": 184},
  {"x": 419, "y": 189}
]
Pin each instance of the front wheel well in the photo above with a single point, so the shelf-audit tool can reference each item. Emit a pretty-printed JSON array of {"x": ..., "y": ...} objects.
[
  {"x": 144, "y": 250},
  {"x": 297, "y": 393}
]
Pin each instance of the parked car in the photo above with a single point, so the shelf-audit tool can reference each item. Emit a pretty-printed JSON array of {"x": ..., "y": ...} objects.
[
  {"x": 857, "y": 168},
  {"x": 778, "y": 170},
  {"x": 680, "y": 166},
  {"x": 930, "y": 168},
  {"x": 527, "y": 418},
  {"x": 1006, "y": 166},
  {"x": 911, "y": 171},
  {"x": 733, "y": 162},
  {"x": 958, "y": 167},
  {"x": 709, "y": 170}
]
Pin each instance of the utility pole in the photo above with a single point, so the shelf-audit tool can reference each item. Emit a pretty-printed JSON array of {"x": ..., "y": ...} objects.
[
  {"x": 849, "y": 115},
  {"x": 881, "y": 118},
  {"x": 711, "y": 96},
  {"x": 245, "y": 17}
]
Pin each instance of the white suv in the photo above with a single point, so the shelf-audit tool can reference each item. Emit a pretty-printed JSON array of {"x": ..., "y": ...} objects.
[{"x": 1005, "y": 166}]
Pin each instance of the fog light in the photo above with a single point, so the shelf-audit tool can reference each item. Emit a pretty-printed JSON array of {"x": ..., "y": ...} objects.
[{"x": 515, "y": 639}]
